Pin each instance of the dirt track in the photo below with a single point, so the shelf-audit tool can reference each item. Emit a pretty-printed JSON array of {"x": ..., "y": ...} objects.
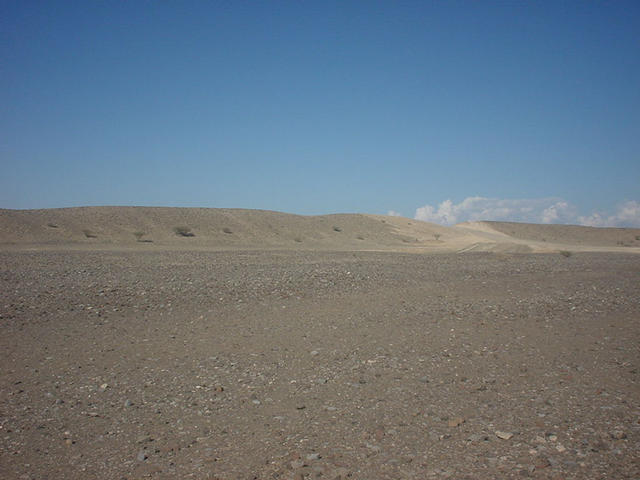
[{"x": 321, "y": 365}]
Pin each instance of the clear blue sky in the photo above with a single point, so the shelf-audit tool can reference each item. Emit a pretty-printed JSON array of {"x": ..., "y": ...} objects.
[{"x": 319, "y": 107}]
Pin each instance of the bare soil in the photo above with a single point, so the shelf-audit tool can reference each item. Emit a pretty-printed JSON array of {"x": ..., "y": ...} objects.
[{"x": 121, "y": 364}]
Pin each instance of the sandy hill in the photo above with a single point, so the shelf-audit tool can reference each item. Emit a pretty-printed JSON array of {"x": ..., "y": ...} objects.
[
  {"x": 212, "y": 228},
  {"x": 149, "y": 227},
  {"x": 543, "y": 238}
]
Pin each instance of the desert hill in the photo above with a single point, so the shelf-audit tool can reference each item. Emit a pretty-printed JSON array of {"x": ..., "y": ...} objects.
[
  {"x": 209, "y": 228},
  {"x": 219, "y": 229}
]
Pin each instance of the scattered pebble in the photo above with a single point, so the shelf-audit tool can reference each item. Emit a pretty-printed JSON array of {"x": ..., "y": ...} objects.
[{"x": 455, "y": 421}]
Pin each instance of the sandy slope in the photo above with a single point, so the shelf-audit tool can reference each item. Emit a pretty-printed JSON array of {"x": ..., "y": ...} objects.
[
  {"x": 550, "y": 238},
  {"x": 223, "y": 229}
]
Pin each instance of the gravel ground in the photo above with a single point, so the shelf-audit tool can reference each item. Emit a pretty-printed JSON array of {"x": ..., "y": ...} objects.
[{"x": 292, "y": 365}]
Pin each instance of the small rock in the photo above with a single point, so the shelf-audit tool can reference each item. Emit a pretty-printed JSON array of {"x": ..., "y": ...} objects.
[
  {"x": 455, "y": 421},
  {"x": 104, "y": 386},
  {"x": 618, "y": 435},
  {"x": 128, "y": 403},
  {"x": 142, "y": 456},
  {"x": 313, "y": 456},
  {"x": 543, "y": 462},
  {"x": 298, "y": 463},
  {"x": 314, "y": 353},
  {"x": 561, "y": 448},
  {"x": 504, "y": 435},
  {"x": 144, "y": 438}
]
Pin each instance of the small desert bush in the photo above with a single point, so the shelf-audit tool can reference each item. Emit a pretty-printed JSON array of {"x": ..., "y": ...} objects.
[
  {"x": 337, "y": 229},
  {"x": 360, "y": 237},
  {"x": 565, "y": 253},
  {"x": 297, "y": 239},
  {"x": 139, "y": 235},
  {"x": 437, "y": 236},
  {"x": 227, "y": 230},
  {"x": 183, "y": 232},
  {"x": 89, "y": 234}
]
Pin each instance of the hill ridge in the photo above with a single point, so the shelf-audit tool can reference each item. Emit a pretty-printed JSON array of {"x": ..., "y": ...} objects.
[{"x": 238, "y": 228}]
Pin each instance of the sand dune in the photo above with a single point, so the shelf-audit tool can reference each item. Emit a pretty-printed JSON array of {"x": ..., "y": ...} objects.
[
  {"x": 219, "y": 229},
  {"x": 549, "y": 238}
]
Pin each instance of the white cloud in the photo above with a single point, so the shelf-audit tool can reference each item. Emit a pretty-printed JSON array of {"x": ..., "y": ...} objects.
[
  {"x": 393, "y": 213},
  {"x": 536, "y": 210},
  {"x": 541, "y": 210},
  {"x": 626, "y": 215}
]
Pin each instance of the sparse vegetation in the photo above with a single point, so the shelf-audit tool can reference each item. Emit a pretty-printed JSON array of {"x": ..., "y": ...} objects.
[
  {"x": 337, "y": 229},
  {"x": 227, "y": 230},
  {"x": 620, "y": 242},
  {"x": 437, "y": 236},
  {"x": 52, "y": 225},
  {"x": 297, "y": 239},
  {"x": 183, "y": 232},
  {"x": 139, "y": 238},
  {"x": 360, "y": 237},
  {"x": 89, "y": 234},
  {"x": 565, "y": 253},
  {"x": 637, "y": 237}
]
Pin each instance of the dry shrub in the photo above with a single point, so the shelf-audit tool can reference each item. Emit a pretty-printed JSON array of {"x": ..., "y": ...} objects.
[{"x": 183, "y": 232}]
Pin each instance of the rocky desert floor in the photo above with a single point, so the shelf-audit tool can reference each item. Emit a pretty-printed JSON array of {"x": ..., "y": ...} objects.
[{"x": 301, "y": 364}]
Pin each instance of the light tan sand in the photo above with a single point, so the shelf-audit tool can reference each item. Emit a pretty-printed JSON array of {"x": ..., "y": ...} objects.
[{"x": 224, "y": 229}]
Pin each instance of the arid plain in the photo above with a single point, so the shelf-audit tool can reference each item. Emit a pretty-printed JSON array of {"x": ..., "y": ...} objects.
[{"x": 239, "y": 344}]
